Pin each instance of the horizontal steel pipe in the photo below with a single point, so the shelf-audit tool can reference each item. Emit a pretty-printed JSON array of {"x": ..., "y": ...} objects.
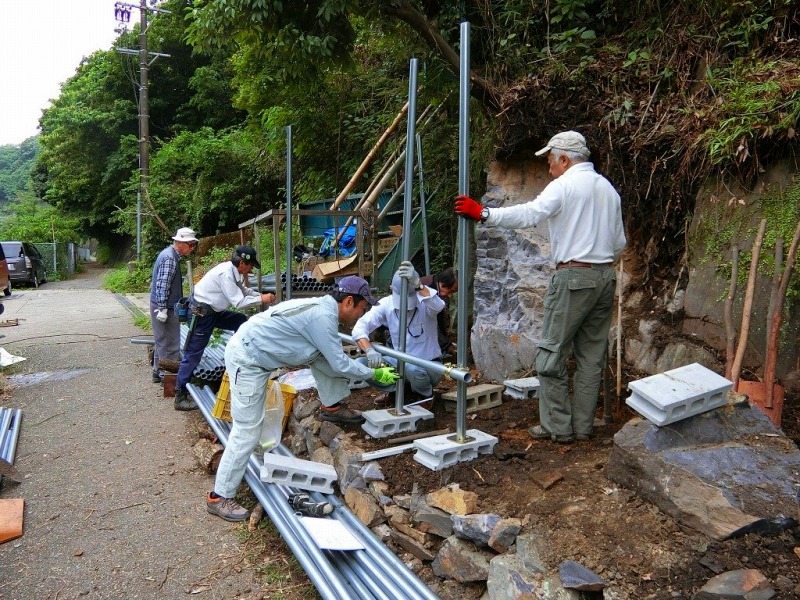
[
  {"x": 453, "y": 373},
  {"x": 311, "y": 559}
]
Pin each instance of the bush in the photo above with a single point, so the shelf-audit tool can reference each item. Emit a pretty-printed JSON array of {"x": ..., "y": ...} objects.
[{"x": 124, "y": 281}]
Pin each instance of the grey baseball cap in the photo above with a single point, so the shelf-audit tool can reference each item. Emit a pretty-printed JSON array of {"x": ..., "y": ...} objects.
[
  {"x": 571, "y": 141},
  {"x": 355, "y": 285}
]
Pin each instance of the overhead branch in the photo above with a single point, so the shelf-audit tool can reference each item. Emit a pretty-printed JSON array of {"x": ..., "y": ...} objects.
[{"x": 403, "y": 10}]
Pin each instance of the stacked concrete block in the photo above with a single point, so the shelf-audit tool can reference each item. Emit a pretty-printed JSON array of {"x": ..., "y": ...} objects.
[
  {"x": 526, "y": 388},
  {"x": 678, "y": 394},
  {"x": 299, "y": 473},
  {"x": 478, "y": 397}
]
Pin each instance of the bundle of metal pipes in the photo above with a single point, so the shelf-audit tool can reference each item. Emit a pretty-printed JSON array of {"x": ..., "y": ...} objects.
[
  {"x": 374, "y": 573},
  {"x": 212, "y": 365},
  {"x": 300, "y": 283},
  {"x": 10, "y": 422}
]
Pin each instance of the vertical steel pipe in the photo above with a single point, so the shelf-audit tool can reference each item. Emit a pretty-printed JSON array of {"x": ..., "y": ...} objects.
[
  {"x": 423, "y": 208},
  {"x": 288, "y": 209},
  {"x": 463, "y": 228},
  {"x": 408, "y": 201}
]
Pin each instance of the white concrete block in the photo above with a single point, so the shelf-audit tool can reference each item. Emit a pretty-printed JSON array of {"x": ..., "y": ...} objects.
[
  {"x": 678, "y": 394},
  {"x": 523, "y": 389},
  {"x": 443, "y": 451},
  {"x": 384, "y": 423},
  {"x": 296, "y": 472}
]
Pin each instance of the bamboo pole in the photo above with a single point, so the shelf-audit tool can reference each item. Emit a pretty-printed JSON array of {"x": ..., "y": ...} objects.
[
  {"x": 748, "y": 305},
  {"x": 775, "y": 325},
  {"x": 368, "y": 159},
  {"x": 730, "y": 333}
]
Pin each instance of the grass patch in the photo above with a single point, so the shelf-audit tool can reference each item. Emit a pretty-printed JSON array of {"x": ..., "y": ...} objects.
[{"x": 123, "y": 281}]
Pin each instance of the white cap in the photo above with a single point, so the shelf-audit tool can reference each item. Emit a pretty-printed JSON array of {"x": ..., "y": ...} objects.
[
  {"x": 185, "y": 234},
  {"x": 397, "y": 282},
  {"x": 571, "y": 141}
]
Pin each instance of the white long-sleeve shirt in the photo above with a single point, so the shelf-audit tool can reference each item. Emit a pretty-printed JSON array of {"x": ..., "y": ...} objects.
[
  {"x": 223, "y": 286},
  {"x": 422, "y": 335},
  {"x": 583, "y": 212}
]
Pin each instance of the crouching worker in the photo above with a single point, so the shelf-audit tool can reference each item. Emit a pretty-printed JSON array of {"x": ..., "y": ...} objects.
[
  {"x": 421, "y": 334},
  {"x": 291, "y": 334},
  {"x": 220, "y": 288}
]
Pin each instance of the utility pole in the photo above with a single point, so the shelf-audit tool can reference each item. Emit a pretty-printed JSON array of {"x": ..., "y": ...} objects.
[{"x": 122, "y": 14}]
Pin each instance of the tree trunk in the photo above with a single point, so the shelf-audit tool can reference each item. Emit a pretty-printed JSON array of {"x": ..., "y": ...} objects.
[{"x": 406, "y": 12}]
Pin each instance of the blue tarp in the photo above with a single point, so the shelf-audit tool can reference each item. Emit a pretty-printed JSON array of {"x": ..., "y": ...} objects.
[{"x": 347, "y": 243}]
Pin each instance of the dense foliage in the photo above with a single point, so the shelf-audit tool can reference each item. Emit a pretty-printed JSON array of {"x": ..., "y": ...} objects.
[{"x": 665, "y": 92}]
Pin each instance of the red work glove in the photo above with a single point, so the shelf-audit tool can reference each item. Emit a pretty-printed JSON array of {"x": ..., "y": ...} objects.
[{"x": 467, "y": 207}]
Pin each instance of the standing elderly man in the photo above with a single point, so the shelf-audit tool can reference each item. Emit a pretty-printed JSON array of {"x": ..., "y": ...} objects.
[
  {"x": 290, "y": 334},
  {"x": 421, "y": 334},
  {"x": 584, "y": 219},
  {"x": 166, "y": 289},
  {"x": 222, "y": 287}
]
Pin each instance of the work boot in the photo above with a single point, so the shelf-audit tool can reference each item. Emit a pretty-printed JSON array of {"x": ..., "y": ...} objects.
[
  {"x": 156, "y": 377},
  {"x": 183, "y": 401},
  {"x": 540, "y": 433},
  {"x": 226, "y": 508},
  {"x": 303, "y": 504},
  {"x": 339, "y": 413}
]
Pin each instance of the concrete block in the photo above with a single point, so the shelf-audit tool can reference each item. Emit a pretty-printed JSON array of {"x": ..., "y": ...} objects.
[
  {"x": 296, "y": 472},
  {"x": 678, "y": 394},
  {"x": 441, "y": 451},
  {"x": 523, "y": 389},
  {"x": 384, "y": 423},
  {"x": 478, "y": 397}
]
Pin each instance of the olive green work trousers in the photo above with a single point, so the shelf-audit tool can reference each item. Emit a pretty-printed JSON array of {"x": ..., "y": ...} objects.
[{"x": 577, "y": 316}]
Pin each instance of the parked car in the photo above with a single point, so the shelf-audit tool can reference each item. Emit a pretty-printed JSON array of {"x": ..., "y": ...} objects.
[
  {"x": 25, "y": 263},
  {"x": 5, "y": 282}
]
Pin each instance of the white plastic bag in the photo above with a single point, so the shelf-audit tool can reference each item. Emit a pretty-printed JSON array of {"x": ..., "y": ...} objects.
[{"x": 272, "y": 427}]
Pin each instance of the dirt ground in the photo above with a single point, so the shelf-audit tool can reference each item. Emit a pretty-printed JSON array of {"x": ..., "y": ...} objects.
[{"x": 639, "y": 550}]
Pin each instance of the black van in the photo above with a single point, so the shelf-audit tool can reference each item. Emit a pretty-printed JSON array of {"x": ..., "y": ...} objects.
[
  {"x": 5, "y": 283},
  {"x": 25, "y": 263}
]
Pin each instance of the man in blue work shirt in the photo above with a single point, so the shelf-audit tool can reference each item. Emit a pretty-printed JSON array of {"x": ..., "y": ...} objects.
[{"x": 166, "y": 289}]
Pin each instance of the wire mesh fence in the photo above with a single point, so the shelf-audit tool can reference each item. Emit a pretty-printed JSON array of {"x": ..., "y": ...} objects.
[{"x": 60, "y": 258}]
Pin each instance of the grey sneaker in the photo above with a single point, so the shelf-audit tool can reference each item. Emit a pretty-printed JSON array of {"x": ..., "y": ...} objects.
[
  {"x": 183, "y": 401},
  {"x": 339, "y": 413},
  {"x": 156, "y": 377},
  {"x": 226, "y": 508}
]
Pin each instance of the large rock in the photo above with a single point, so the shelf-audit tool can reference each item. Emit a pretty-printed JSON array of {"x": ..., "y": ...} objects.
[
  {"x": 513, "y": 270},
  {"x": 725, "y": 472}
]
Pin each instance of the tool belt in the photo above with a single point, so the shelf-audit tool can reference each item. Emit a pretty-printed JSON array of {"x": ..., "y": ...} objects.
[{"x": 201, "y": 309}]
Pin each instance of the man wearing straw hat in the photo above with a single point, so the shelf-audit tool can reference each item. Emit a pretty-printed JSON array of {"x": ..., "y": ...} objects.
[{"x": 584, "y": 219}]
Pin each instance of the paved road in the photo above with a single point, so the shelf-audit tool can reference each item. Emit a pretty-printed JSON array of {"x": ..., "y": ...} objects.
[{"x": 113, "y": 496}]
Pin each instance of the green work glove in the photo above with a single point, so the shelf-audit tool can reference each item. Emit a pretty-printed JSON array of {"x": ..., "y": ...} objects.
[{"x": 385, "y": 375}]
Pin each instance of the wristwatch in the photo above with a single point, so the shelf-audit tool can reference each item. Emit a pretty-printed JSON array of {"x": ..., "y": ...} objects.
[
  {"x": 419, "y": 287},
  {"x": 484, "y": 215}
]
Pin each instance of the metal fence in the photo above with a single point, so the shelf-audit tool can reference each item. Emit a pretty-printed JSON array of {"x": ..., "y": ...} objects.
[{"x": 60, "y": 258}]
